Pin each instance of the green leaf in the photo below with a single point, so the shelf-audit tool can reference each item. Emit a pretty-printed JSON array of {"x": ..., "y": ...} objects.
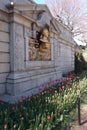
[{"x": 61, "y": 118}]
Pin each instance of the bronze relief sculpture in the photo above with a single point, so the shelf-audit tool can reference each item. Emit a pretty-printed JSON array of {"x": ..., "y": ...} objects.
[{"x": 41, "y": 45}]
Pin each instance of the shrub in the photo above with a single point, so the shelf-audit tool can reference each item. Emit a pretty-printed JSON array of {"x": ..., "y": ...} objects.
[{"x": 80, "y": 62}]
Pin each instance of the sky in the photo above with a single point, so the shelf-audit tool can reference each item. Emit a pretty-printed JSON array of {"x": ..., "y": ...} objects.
[{"x": 39, "y": 1}]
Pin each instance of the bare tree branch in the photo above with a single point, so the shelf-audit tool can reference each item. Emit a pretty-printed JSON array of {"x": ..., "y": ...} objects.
[{"x": 73, "y": 13}]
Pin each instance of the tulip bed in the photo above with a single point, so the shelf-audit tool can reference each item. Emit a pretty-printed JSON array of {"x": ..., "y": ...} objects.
[{"x": 47, "y": 110}]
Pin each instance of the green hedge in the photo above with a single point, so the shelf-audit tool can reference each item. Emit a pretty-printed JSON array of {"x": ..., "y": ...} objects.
[{"x": 80, "y": 62}]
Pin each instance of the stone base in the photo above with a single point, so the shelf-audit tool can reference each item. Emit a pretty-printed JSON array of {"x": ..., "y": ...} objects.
[
  {"x": 13, "y": 99},
  {"x": 2, "y": 88},
  {"x": 19, "y": 83}
]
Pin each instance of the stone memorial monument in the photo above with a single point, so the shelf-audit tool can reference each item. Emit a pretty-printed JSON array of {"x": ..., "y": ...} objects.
[{"x": 35, "y": 48}]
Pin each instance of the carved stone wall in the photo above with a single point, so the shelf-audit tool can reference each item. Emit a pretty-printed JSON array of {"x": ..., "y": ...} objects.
[
  {"x": 4, "y": 51},
  {"x": 32, "y": 58}
]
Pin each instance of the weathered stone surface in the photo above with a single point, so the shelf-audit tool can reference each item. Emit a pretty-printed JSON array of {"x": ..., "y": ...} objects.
[
  {"x": 25, "y": 83},
  {"x": 19, "y": 75},
  {"x": 4, "y": 26},
  {"x": 17, "y": 55},
  {"x": 39, "y": 64},
  {"x": 23, "y": 20},
  {"x": 65, "y": 33},
  {"x": 6, "y": 2},
  {"x": 4, "y": 67},
  {"x": 4, "y": 16},
  {"x": 28, "y": 32},
  {"x": 4, "y": 37},
  {"x": 43, "y": 19},
  {"x": 4, "y": 58},
  {"x": 65, "y": 56},
  {"x": 2, "y": 89},
  {"x": 3, "y": 77},
  {"x": 4, "y": 47}
]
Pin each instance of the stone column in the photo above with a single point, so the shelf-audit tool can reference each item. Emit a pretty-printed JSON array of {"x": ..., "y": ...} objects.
[
  {"x": 16, "y": 55},
  {"x": 16, "y": 47}
]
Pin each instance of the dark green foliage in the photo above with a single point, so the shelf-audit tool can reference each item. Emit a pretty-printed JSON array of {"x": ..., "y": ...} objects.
[
  {"x": 80, "y": 63},
  {"x": 83, "y": 47}
]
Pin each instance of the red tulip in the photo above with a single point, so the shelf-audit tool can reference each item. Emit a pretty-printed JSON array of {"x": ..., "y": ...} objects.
[
  {"x": 48, "y": 117},
  {"x": 20, "y": 100},
  {"x": 13, "y": 108},
  {"x": 55, "y": 91},
  {"x": 5, "y": 126},
  {"x": 28, "y": 99},
  {"x": 20, "y": 115},
  {"x": 0, "y": 99},
  {"x": 54, "y": 101}
]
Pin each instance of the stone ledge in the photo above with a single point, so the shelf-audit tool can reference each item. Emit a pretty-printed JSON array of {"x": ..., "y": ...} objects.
[
  {"x": 13, "y": 99},
  {"x": 22, "y": 83}
]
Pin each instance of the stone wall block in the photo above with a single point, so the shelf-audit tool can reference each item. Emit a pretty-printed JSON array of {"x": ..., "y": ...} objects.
[
  {"x": 4, "y": 37},
  {"x": 2, "y": 88},
  {"x": 4, "y": 26},
  {"x": 4, "y": 47},
  {"x": 4, "y": 58},
  {"x": 3, "y": 77},
  {"x": 4, "y": 67}
]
